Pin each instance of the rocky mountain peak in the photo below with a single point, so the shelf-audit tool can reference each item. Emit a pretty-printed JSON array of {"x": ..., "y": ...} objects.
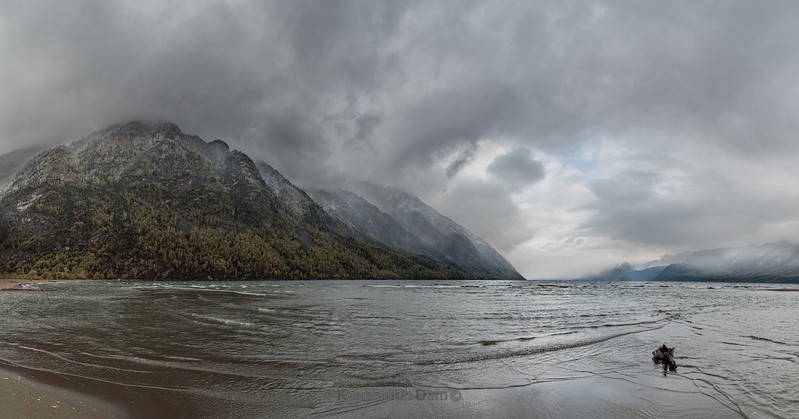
[
  {"x": 149, "y": 128},
  {"x": 145, "y": 200}
]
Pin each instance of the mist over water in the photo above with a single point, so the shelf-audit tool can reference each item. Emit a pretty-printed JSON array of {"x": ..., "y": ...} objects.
[{"x": 354, "y": 348}]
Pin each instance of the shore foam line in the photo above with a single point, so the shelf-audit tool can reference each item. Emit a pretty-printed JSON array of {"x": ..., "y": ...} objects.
[{"x": 25, "y": 284}]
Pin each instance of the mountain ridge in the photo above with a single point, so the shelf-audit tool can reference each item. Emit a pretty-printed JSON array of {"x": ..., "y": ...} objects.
[
  {"x": 767, "y": 262},
  {"x": 145, "y": 200},
  {"x": 395, "y": 219}
]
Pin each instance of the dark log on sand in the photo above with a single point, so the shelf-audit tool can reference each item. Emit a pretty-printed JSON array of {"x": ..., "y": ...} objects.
[{"x": 665, "y": 355}]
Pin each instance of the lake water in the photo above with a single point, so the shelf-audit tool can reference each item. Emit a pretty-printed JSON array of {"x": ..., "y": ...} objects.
[{"x": 418, "y": 348}]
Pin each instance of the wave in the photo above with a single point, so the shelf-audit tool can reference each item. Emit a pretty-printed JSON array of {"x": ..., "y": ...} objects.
[
  {"x": 76, "y": 362},
  {"x": 529, "y": 351},
  {"x": 733, "y": 343},
  {"x": 194, "y": 289},
  {"x": 222, "y": 320},
  {"x": 178, "y": 363},
  {"x": 138, "y": 359},
  {"x": 767, "y": 340},
  {"x": 525, "y": 338},
  {"x": 409, "y": 286}
]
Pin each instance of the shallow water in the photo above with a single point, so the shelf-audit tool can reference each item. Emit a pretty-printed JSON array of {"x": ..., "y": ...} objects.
[{"x": 365, "y": 348}]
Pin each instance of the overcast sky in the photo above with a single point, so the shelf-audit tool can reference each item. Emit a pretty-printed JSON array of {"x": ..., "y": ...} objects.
[{"x": 571, "y": 135}]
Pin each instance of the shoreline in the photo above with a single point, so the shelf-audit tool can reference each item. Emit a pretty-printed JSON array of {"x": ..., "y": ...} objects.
[
  {"x": 24, "y": 396},
  {"x": 40, "y": 394},
  {"x": 30, "y": 392},
  {"x": 10, "y": 284},
  {"x": 19, "y": 284}
]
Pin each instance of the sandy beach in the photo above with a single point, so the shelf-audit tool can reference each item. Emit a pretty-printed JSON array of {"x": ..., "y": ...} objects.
[
  {"x": 34, "y": 393},
  {"x": 7, "y": 284},
  {"x": 22, "y": 397},
  {"x": 615, "y": 396},
  {"x": 19, "y": 284}
]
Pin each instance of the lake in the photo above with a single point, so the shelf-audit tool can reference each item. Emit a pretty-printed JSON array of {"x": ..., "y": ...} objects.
[{"x": 410, "y": 348}]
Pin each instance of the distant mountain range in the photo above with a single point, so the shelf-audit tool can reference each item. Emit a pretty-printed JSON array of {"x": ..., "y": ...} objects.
[
  {"x": 770, "y": 262},
  {"x": 144, "y": 200}
]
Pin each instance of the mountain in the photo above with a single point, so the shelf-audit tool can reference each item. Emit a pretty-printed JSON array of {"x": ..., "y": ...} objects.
[
  {"x": 626, "y": 272},
  {"x": 145, "y": 200},
  {"x": 397, "y": 220},
  {"x": 294, "y": 199},
  {"x": 769, "y": 262},
  {"x": 12, "y": 162},
  {"x": 363, "y": 220}
]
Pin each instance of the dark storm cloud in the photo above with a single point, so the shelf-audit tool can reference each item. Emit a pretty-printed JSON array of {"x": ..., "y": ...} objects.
[
  {"x": 449, "y": 73},
  {"x": 517, "y": 168},
  {"x": 387, "y": 90},
  {"x": 461, "y": 160}
]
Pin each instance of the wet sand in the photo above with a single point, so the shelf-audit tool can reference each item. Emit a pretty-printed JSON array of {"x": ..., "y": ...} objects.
[
  {"x": 597, "y": 397},
  {"x": 604, "y": 396},
  {"x": 26, "y": 392},
  {"x": 21, "y": 397}
]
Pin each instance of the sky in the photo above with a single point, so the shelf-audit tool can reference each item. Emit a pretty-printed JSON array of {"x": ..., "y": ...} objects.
[{"x": 571, "y": 135}]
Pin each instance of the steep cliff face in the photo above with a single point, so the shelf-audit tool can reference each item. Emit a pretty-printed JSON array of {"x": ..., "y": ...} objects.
[
  {"x": 145, "y": 200},
  {"x": 295, "y": 200},
  {"x": 396, "y": 219},
  {"x": 12, "y": 162},
  {"x": 363, "y": 220},
  {"x": 392, "y": 219}
]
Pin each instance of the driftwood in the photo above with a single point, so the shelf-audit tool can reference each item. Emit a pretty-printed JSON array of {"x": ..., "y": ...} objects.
[{"x": 665, "y": 355}]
